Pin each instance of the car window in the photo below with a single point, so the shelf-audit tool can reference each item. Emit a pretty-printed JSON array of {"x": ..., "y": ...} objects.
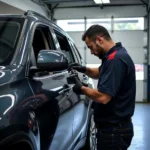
[
  {"x": 42, "y": 39},
  {"x": 78, "y": 59},
  {"x": 64, "y": 46},
  {"x": 10, "y": 30},
  {"x": 77, "y": 52},
  {"x": 79, "y": 55}
]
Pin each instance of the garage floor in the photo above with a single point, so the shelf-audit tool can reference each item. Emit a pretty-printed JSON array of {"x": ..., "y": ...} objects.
[{"x": 141, "y": 122}]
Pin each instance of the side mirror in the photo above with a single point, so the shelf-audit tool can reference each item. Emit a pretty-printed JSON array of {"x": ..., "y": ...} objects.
[{"x": 52, "y": 60}]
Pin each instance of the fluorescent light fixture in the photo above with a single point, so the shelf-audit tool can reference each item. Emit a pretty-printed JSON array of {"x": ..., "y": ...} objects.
[{"x": 101, "y": 1}]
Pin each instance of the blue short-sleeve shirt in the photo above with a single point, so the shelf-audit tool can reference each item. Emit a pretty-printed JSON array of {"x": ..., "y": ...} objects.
[{"x": 117, "y": 79}]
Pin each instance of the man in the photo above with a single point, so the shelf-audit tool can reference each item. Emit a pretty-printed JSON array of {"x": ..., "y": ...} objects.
[{"x": 114, "y": 98}]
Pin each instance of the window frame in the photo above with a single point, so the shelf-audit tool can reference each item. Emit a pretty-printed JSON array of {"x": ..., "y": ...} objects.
[{"x": 35, "y": 26}]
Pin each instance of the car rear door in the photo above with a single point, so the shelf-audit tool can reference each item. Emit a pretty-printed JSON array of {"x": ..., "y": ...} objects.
[
  {"x": 81, "y": 125},
  {"x": 80, "y": 102}
]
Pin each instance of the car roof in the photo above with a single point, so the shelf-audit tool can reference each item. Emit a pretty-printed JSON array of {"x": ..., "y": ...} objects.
[
  {"x": 42, "y": 18},
  {"x": 11, "y": 15}
]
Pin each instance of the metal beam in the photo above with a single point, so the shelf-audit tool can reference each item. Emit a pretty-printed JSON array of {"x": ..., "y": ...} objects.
[
  {"x": 144, "y": 2},
  {"x": 110, "y": 5},
  {"x": 62, "y": 1}
]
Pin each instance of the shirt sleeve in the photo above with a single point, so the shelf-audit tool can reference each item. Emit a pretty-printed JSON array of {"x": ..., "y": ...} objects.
[{"x": 111, "y": 77}]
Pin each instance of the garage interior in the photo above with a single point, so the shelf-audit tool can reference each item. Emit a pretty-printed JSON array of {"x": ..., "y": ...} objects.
[{"x": 127, "y": 21}]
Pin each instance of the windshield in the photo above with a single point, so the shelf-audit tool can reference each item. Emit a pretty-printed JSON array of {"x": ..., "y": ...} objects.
[{"x": 10, "y": 29}]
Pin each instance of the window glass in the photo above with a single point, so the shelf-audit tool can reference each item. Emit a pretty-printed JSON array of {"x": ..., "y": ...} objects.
[
  {"x": 139, "y": 68},
  {"x": 9, "y": 34},
  {"x": 77, "y": 51},
  {"x": 74, "y": 53},
  {"x": 71, "y": 25},
  {"x": 119, "y": 24},
  {"x": 64, "y": 46},
  {"x": 78, "y": 24},
  {"x": 103, "y": 22},
  {"x": 129, "y": 23},
  {"x": 41, "y": 40},
  {"x": 78, "y": 57}
]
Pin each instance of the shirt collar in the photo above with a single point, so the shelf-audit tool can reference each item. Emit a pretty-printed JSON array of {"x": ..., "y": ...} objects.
[{"x": 116, "y": 47}]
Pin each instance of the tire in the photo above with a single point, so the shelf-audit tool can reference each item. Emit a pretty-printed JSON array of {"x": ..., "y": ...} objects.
[
  {"x": 90, "y": 143},
  {"x": 19, "y": 141}
]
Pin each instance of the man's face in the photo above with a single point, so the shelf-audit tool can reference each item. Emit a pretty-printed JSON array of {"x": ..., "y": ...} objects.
[{"x": 96, "y": 47}]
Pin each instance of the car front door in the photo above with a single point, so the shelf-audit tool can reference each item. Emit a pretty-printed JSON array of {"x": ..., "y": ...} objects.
[{"x": 51, "y": 93}]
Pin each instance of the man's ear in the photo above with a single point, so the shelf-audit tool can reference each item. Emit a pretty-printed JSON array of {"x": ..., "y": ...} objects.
[
  {"x": 98, "y": 37},
  {"x": 98, "y": 40}
]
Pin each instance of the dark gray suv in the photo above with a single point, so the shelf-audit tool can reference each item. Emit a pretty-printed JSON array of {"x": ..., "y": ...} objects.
[{"x": 38, "y": 108}]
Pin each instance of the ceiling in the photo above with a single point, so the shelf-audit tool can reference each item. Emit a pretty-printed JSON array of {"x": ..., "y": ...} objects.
[{"x": 91, "y": 3}]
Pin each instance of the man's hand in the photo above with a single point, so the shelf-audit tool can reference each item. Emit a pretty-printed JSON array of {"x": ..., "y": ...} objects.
[
  {"x": 77, "y": 86},
  {"x": 77, "y": 67}
]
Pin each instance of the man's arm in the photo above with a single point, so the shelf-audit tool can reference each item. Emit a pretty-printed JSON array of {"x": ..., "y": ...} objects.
[
  {"x": 95, "y": 95},
  {"x": 92, "y": 72}
]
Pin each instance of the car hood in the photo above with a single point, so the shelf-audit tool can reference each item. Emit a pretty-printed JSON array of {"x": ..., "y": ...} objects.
[{"x": 6, "y": 74}]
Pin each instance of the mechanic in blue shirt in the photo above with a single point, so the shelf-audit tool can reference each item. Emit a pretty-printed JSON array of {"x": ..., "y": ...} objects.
[{"x": 114, "y": 98}]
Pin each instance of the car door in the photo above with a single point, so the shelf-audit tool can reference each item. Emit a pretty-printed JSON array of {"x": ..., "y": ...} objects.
[
  {"x": 81, "y": 126},
  {"x": 80, "y": 107},
  {"x": 51, "y": 92},
  {"x": 63, "y": 137}
]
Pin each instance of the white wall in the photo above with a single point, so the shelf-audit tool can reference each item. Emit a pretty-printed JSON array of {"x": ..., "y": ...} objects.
[
  {"x": 27, "y": 5},
  {"x": 133, "y": 41}
]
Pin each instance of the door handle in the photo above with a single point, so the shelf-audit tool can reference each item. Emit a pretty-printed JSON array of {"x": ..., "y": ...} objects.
[
  {"x": 85, "y": 80},
  {"x": 59, "y": 77},
  {"x": 66, "y": 88},
  {"x": 85, "y": 77},
  {"x": 40, "y": 74}
]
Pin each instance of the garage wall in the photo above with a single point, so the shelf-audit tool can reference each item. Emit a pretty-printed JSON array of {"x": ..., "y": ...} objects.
[
  {"x": 97, "y": 12},
  {"x": 8, "y": 9},
  {"x": 133, "y": 41},
  {"x": 25, "y": 5}
]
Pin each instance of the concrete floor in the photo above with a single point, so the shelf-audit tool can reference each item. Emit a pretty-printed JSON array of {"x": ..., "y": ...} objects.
[{"x": 141, "y": 122}]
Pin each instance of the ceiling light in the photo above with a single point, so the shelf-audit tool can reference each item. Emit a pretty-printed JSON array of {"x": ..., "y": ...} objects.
[{"x": 101, "y": 1}]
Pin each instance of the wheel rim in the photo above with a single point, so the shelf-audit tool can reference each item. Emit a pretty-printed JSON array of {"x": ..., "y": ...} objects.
[{"x": 92, "y": 134}]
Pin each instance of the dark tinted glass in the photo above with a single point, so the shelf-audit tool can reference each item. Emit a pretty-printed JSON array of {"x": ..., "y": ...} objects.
[{"x": 10, "y": 29}]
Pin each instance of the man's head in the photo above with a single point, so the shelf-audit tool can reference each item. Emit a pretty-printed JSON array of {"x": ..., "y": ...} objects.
[{"x": 98, "y": 40}]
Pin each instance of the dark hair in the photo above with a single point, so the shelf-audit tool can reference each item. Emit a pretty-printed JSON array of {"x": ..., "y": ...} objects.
[{"x": 95, "y": 30}]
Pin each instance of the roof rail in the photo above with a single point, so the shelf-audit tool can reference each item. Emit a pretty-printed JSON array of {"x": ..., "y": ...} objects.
[{"x": 31, "y": 12}]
